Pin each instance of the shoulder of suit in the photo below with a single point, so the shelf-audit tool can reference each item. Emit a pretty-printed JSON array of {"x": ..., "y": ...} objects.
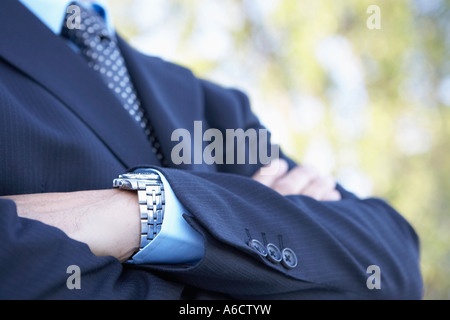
[{"x": 165, "y": 64}]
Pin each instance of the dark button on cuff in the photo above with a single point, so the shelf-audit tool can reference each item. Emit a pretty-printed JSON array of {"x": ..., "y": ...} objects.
[
  {"x": 258, "y": 247},
  {"x": 273, "y": 253},
  {"x": 289, "y": 260}
]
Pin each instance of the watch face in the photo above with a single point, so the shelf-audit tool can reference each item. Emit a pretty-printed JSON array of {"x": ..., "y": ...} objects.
[
  {"x": 140, "y": 176},
  {"x": 136, "y": 181}
]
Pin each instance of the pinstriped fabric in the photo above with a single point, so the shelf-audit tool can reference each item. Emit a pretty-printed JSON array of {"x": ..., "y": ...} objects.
[{"x": 47, "y": 148}]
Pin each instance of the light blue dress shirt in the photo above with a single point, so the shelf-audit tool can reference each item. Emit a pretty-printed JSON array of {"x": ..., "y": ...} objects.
[{"x": 177, "y": 241}]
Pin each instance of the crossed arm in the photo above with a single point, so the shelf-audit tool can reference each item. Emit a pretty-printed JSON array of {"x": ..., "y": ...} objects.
[
  {"x": 108, "y": 220},
  {"x": 337, "y": 240}
]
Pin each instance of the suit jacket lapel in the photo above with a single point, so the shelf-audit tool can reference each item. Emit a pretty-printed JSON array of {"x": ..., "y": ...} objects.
[{"x": 31, "y": 47}]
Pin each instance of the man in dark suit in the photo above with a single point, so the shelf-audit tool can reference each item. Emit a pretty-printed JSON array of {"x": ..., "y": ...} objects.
[{"x": 79, "y": 107}]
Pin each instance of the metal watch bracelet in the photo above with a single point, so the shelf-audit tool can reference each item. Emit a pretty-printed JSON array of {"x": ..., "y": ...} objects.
[{"x": 151, "y": 198}]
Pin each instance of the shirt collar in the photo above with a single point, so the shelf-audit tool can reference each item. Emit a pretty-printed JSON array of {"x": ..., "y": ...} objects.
[{"x": 53, "y": 12}]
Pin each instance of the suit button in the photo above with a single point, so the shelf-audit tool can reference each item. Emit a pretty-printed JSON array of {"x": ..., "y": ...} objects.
[
  {"x": 258, "y": 247},
  {"x": 289, "y": 258},
  {"x": 273, "y": 253}
]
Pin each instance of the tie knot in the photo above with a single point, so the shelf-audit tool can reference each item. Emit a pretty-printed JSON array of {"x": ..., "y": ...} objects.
[{"x": 85, "y": 27}]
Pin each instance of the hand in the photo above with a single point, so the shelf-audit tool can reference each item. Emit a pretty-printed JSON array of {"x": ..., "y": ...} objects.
[{"x": 301, "y": 180}]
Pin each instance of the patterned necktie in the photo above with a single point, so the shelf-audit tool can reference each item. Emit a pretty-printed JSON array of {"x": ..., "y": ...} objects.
[{"x": 100, "y": 49}]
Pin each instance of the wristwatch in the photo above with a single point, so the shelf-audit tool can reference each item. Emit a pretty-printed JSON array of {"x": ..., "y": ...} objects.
[{"x": 151, "y": 198}]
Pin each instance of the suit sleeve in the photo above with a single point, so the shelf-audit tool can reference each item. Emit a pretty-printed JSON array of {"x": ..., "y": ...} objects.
[
  {"x": 335, "y": 242},
  {"x": 229, "y": 108}
]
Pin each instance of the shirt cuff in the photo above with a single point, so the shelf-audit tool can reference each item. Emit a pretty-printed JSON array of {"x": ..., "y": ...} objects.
[{"x": 177, "y": 242}]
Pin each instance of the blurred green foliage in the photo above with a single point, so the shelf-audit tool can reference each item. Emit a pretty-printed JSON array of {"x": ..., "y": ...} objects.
[{"x": 371, "y": 106}]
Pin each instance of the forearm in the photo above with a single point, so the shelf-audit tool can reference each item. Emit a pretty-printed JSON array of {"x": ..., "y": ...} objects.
[{"x": 106, "y": 220}]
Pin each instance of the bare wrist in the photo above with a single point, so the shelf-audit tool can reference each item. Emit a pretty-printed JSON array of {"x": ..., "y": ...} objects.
[{"x": 115, "y": 230}]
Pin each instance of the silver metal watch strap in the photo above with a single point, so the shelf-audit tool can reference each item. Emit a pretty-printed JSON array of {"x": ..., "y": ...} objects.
[{"x": 152, "y": 205}]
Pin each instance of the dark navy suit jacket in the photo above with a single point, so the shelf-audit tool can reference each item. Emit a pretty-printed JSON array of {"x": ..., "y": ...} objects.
[{"x": 61, "y": 130}]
